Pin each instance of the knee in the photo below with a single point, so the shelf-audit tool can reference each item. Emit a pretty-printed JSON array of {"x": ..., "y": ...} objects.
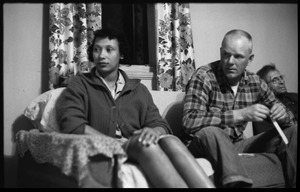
[
  {"x": 295, "y": 128},
  {"x": 209, "y": 132},
  {"x": 210, "y": 136},
  {"x": 137, "y": 151},
  {"x": 171, "y": 143},
  {"x": 169, "y": 140},
  {"x": 292, "y": 130}
]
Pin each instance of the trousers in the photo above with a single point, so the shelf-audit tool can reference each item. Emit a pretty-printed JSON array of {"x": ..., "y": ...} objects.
[{"x": 214, "y": 144}]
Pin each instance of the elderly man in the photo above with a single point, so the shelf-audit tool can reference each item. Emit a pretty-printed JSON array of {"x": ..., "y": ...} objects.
[{"x": 276, "y": 82}]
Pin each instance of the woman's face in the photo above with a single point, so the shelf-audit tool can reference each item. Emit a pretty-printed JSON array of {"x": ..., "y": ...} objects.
[{"x": 106, "y": 55}]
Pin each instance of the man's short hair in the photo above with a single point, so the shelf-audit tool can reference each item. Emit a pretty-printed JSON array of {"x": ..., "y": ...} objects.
[
  {"x": 241, "y": 33},
  {"x": 262, "y": 73}
]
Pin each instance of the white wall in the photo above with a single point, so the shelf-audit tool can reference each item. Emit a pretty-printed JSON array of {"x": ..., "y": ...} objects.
[
  {"x": 274, "y": 28},
  {"x": 22, "y": 72}
]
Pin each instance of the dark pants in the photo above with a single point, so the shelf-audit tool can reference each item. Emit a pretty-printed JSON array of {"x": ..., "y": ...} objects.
[{"x": 214, "y": 144}]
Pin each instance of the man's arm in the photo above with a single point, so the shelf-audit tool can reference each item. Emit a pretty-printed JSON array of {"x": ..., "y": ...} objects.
[
  {"x": 256, "y": 112},
  {"x": 271, "y": 107},
  {"x": 278, "y": 111},
  {"x": 199, "y": 109}
]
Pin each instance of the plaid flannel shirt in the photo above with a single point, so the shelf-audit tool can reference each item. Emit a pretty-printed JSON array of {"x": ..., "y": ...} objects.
[{"x": 210, "y": 101}]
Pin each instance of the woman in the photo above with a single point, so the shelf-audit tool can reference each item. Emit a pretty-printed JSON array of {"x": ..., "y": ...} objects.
[{"x": 106, "y": 102}]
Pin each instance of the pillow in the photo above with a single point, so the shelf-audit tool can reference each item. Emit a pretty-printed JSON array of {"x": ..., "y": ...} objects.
[{"x": 41, "y": 111}]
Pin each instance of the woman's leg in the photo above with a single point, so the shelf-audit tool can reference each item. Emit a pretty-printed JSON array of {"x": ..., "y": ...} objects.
[
  {"x": 185, "y": 163},
  {"x": 156, "y": 165}
]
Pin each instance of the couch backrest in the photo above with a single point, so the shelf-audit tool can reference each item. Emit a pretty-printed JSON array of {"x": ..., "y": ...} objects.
[
  {"x": 170, "y": 107},
  {"x": 164, "y": 100}
]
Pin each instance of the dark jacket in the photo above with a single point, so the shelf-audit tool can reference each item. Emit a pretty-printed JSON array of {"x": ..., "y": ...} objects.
[
  {"x": 290, "y": 100},
  {"x": 87, "y": 100}
]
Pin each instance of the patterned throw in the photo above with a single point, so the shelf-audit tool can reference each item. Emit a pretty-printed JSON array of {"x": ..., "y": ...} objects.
[{"x": 69, "y": 152}]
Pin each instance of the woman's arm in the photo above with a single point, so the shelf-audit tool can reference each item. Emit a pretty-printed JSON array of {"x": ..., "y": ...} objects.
[
  {"x": 91, "y": 131},
  {"x": 70, "y": 108}
]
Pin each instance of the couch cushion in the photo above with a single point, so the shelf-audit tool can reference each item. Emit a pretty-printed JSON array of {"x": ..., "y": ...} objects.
[{"x": 264, "y": 169}]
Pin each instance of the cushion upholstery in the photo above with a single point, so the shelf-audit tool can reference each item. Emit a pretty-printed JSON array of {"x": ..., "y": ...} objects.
[
  {"x": 264, "y": 169},
  {"x": 41, "y": 111}
]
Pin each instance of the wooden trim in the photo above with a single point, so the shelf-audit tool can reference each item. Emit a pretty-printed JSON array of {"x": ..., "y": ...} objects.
[{"x": 142, "y": 72}]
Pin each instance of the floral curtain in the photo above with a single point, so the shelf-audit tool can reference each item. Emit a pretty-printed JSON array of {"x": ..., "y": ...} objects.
[
  {"x": 71, "y": 31},
  {"x": 175, "y": 53}
]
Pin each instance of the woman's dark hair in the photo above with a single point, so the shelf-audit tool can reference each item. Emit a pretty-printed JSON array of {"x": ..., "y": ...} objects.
[
  {"x": 111, "y": 34},
  {"x": 265, "y": 70}
]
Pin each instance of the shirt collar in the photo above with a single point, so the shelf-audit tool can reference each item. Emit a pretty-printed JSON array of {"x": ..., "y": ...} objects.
[{"x": 120, "y": 83}]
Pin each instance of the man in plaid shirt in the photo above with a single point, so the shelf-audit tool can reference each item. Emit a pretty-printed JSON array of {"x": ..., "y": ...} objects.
[{"x": 221, "y": 98}]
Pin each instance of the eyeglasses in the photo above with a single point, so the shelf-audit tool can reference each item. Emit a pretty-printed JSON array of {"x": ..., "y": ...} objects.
[{"x": 276, "y": 80}]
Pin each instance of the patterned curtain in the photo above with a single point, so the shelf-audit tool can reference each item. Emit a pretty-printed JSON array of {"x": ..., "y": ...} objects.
[
  {"x": 175, "y": 53},
  {"x": 71, "y": 32}
]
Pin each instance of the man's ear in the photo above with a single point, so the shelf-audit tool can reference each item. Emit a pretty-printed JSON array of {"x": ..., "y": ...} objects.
[
  {"x": 251, "y": 57},
  {"x": 220, "y": 52}
]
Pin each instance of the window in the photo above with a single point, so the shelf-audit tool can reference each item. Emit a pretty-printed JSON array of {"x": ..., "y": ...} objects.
[{"x": 133, "y": 20}]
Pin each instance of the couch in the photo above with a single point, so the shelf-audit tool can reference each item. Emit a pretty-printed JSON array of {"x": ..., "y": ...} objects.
[
  {"x": 51, "y": 159},
  {"x": 91, "y": 166}
]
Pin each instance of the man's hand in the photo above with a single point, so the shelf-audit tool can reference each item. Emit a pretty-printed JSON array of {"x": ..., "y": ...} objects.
[
  {"x": 256, "y": 112},
  {"x": 278, "y": 112}
]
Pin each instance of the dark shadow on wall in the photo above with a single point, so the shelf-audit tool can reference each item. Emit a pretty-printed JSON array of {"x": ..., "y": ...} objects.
[
  {"x": 11, "y": 162},
  {"x": 21, "y": 123},
  {"x": 174, "y": 118},
  {"x": 45, "y": 50}
]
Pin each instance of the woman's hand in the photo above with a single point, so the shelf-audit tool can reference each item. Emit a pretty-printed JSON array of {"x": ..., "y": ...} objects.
[{"x": 147, "y": 136}]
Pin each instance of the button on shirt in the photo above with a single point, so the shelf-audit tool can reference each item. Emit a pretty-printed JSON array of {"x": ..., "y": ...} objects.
[
  {"x": 120, "y": 83},
  {"x": 210, "y": 100}
]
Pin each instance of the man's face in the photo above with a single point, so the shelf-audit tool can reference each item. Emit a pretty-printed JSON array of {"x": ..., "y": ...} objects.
[
  {"x": 276, "y": 82},
  {"x": 235, "y": 56}
]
